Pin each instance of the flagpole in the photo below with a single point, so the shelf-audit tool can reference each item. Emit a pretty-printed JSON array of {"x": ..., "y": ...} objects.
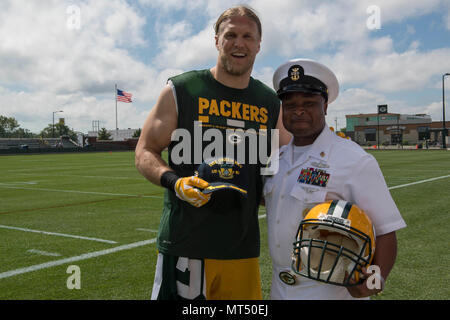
[{"x": 117, "y": 128}]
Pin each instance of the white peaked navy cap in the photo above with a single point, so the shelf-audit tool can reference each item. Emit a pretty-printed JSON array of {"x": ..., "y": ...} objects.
[{"x": 306, "y": 75}]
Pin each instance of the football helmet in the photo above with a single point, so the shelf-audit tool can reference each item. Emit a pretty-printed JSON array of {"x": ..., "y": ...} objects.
[{"x": 333, "y": 242}]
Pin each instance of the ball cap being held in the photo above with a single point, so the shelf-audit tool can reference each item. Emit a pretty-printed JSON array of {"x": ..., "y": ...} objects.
[
  {"x": 306, "y": 75},
  {"x": 223, "y": 174}
]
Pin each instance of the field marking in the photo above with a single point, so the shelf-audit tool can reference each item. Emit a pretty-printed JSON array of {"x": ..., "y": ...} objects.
[
  {"x": 44, "y": 253},
  {"x": 18, "y": 183},
  {"x": 50, "y": 264},
  {"x": 418, "y": 182},
  {"x": 148, "y": 230},
  {"x": 82, "y": 176},
  {"x": 57, "y": 234},
  {"x": 85, "y": 256},
  {"x": 82, "y": 192},
  {"x": 118, "y": 164}
]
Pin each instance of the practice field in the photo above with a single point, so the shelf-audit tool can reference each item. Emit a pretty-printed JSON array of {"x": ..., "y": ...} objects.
[{"x": 94, "y": 211}]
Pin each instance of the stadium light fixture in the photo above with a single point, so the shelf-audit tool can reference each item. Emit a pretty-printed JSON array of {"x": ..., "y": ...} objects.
[
  {"x": 53, "y": 123},
  {"x": 444, "y": 131}
]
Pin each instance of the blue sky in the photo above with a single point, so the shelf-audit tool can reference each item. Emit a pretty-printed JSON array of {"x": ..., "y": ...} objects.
[{"x": 47, "y": 64}]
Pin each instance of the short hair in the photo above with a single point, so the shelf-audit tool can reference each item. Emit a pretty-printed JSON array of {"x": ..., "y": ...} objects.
[{"x": 241, "y": 11}]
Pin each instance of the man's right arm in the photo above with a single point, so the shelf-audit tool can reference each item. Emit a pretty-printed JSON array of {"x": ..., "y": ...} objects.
[{"x": 155, "y": 137}]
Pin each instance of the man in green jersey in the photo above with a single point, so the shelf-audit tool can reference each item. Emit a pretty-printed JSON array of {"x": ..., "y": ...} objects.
[{"x": 208, "y": 243}]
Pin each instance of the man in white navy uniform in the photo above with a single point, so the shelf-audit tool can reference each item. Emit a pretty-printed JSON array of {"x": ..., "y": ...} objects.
[{"x": 347, "y": 173}]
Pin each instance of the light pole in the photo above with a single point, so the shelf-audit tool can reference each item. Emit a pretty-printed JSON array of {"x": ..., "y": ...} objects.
[
  {"x": 444, "y": 131},
  {"x": 53, "y": 123}
]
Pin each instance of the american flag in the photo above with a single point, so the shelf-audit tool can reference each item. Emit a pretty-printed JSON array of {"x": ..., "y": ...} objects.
[{"x": 123, "y": 96}]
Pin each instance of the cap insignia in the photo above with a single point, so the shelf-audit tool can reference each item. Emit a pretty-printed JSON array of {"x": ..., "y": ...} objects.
[{"x": 295, "y": 72}]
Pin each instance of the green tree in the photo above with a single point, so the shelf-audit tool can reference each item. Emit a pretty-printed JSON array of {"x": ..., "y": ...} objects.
[
  {"x": 103, "y": 134},
  {"x": 58, "y": 131},
  {"x": 8, "y": 126},
  {"x": 137, "y": 133},
  {"x": 23, "y": 133}
]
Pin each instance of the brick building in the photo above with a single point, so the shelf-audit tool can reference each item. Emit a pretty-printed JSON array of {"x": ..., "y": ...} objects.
[{"x": 393, "y": 128}]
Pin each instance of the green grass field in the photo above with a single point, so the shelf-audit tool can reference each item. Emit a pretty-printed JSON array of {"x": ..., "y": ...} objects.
[{"x": 95, "y": 211}]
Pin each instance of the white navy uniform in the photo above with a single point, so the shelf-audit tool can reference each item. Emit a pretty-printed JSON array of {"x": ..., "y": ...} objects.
[
  {"x": 349, "y": 173},
  {"x": 331, "y": 168}
]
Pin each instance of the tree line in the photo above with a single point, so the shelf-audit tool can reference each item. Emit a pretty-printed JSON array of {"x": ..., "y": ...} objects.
[{"x": 10, "y": 128}]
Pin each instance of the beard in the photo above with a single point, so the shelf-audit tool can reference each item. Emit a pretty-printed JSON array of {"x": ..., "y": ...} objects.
[{"x": 235, "y": 70}]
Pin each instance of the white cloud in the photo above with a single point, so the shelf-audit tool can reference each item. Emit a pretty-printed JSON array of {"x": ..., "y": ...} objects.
[
  {"x": 265, "y": 75},
  {"x": 198, "y": 49},
  {"x": 45, "y": 53},
  {"x": 447, "y": 19},
  {"x": 45, "y": 64},
  {"x": 176, "y": 31},
  {"x": 75, "y": 69}
]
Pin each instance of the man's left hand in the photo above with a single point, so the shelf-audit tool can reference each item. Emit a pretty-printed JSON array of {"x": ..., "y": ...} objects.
[{"x": 362, "y": 290}]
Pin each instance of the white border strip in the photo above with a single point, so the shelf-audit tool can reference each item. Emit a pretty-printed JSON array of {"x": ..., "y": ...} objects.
[
  {"x": 57, "y": 234},
  {"x": 236, "y": 123}
]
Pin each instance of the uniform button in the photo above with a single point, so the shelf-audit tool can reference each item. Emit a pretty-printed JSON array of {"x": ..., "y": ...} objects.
[
  {"x": 282, "y": 197},
  {"x": 278, "y": 245},
  {"x": 278, "y": 221}
]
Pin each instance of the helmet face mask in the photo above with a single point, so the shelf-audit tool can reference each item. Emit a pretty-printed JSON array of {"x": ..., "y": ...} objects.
[{"x": 329, "y": 249}]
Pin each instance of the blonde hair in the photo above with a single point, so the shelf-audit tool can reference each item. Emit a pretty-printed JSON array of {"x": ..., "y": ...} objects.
[{"x": 241, "y": 11}]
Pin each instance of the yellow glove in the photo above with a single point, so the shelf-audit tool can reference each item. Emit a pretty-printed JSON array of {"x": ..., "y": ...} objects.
[{"x": 186, "y": 189}]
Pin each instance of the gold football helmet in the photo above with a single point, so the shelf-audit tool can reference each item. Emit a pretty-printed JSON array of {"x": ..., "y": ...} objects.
[{"x": 334, "y": 241}]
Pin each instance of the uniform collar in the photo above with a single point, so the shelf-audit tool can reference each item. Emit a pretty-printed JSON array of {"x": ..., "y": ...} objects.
[{"x": 320, "y": 149}]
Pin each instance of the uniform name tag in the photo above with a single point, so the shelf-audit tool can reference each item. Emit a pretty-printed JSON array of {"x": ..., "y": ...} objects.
[{"x": 313, "y": 176}]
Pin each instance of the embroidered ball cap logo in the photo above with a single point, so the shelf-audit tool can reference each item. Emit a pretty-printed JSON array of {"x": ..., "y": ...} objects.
[
  {"x": 223, "y": 174},
  {"x": 295, "y": 72},
  {"x": 226, "y": 171}
]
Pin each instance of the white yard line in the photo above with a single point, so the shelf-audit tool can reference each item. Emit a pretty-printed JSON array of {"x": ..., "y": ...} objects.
[
  {"x": 50, "y": 264},
  {"x": 82, "y": 192},
  {"x": 418, "y": 182},
  {"x": 57, "y": 234},
  {"x": 44, "y": 253},
  {"x": 18, "y": 183},
  {"x": 83, "y": 176},
  {"x": 85, "y": 256},
  {"x": 147, "y": 230}
]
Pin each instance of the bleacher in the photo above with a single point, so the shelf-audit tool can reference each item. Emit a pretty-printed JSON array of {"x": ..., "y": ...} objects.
[
  {"x": 37, "y": 144},
  {"x": 62, "y": 144}
]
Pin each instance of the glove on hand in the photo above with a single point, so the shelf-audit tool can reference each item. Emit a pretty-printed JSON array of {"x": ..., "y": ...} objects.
[{"x": 186, "y": 189}]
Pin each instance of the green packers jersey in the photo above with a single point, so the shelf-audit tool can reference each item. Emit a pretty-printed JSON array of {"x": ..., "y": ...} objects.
[{"x": 209, "y": 115}]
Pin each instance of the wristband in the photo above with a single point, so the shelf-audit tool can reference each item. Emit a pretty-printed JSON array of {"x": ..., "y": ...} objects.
[{"x": 168, "y": 180}]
